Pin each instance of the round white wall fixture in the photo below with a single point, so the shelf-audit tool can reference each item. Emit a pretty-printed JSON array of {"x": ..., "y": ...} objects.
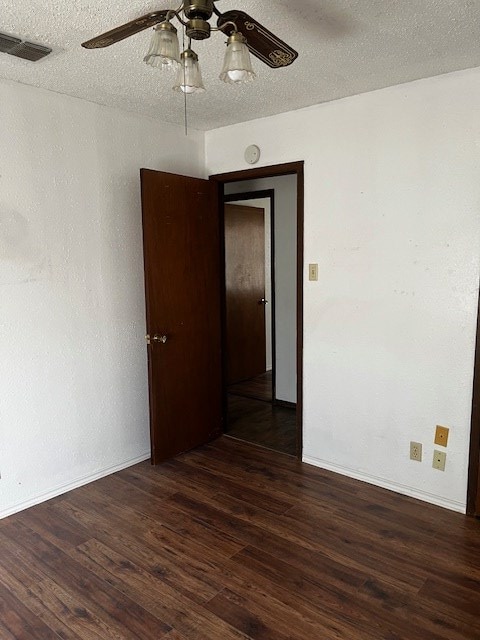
[{"x": 252, "y": 154}]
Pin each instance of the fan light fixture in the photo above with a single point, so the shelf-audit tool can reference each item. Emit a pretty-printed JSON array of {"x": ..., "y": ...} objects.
[
  {"x": 164, "y": 53},
  {"x": 189, "y": 77},
  {"x": 194, "y": 16},
  {"x": 237, "y": 66}
]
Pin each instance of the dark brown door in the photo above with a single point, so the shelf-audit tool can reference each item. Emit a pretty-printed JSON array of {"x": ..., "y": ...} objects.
[
  {"x": 182, "y": 284},
  {"x": 477, "y": 504},
  {"x": 245, "y": 291}
]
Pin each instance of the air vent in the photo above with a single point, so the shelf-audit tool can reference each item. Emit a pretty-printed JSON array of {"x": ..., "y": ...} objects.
[
  {"x": 8, "y": 42},
  {"x": 25, "y": 50}
]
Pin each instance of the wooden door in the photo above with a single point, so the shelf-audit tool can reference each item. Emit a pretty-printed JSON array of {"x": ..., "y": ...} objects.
[
  {"x": 245, "y": 292},
  {"x": 477, "y": 504},
  {"x": 182, "y": 283}
]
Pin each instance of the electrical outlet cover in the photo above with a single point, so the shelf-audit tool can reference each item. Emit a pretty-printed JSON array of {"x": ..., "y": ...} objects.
[
  {"x": 441, "y": 435},
  {"x": 439, "y": 460},
  {"x": 416, "y": 451}
]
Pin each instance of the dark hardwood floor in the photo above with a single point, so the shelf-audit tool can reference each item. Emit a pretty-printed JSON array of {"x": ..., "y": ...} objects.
[
  {"x": 259, "y": 388},
  {"x": 262, "y": 423},
  {"x": 233, "y": 541}
]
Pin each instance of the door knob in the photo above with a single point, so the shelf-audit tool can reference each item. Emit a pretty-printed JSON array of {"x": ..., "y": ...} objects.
[
  {"x": 263, "y": 301},
  {"x": 156, "y": 338}
]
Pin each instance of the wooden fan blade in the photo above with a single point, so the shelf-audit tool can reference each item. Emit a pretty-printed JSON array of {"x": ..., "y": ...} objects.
[
  {"x": 126, "y": 30},
  {"x": 260, "y": 41}
]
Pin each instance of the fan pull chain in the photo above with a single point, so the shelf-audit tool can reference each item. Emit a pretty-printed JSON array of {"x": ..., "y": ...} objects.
[
  {"x": 185, "y": 110},
  {"x": 184, "y": 84}
]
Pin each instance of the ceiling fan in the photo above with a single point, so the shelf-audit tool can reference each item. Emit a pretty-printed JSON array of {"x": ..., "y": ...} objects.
[{"x": 244, "y": 34}]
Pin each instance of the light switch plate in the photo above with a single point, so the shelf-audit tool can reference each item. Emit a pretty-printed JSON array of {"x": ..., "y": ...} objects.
[{"x": 313, "y": 272}]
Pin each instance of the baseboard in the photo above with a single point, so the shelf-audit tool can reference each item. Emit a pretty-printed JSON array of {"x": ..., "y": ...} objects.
[
  {"x": 405, "y": 490},
  {"x": 75, "y": 484}
]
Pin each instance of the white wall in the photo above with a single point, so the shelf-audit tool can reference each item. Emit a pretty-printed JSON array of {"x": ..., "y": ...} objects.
[
  {"x": 264, "y": 203},
  {"x": 285, "y": 232},
  {"x": 73, "y": 391},
  {"x": 392, "y": 198}
]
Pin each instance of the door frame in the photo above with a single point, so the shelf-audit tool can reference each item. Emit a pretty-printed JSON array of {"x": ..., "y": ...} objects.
[
  {"x": 473, "y": 491},
  {"x": 255, "y": 195},
  {"x": 273, "y": 171}
]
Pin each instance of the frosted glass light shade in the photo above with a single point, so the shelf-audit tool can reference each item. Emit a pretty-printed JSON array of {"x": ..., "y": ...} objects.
[
  {"x": 164, "y": 52},
  {"x": 189, "y": 76},
  {"x": 237, "y": 66}
]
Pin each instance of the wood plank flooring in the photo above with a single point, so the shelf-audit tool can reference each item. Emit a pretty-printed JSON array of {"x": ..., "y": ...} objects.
[
  {"x": 259, "y": 388},
  {"x": 232, "y": 542},
  {"x": 262, "y": 423}
]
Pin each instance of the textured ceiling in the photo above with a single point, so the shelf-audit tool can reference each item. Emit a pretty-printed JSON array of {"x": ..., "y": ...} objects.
[{"x": 346, "y": 47}]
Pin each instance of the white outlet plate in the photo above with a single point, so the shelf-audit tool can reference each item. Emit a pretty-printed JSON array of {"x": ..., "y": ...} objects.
[
  {"x": 439, "y": 460},
  {"x": 313, "y": 272}
]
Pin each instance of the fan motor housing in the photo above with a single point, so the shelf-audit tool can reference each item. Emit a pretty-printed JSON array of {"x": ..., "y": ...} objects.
[
  {"x": 202, "y": 9},
  {"x": 198, "y": 29}
]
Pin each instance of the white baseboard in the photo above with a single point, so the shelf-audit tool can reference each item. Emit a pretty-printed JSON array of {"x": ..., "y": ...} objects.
[
  {"x": 75, "y": 484},
  {"x": 453, "y": 505}
]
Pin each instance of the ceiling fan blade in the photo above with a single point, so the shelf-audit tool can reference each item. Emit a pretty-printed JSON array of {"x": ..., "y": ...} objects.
[
  {"x": 261, "y": 42},
  {"x": 125, "y": 31}
]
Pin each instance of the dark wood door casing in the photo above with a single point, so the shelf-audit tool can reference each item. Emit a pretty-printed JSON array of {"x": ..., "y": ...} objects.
[
  {"x": 245, "y": 290},
  {"x": 182, "y": 284}
]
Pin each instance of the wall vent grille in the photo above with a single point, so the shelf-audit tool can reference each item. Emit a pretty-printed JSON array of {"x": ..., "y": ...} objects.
[
  {"x": 8, "y": 42},
  {"x": 25, "y": 50}
]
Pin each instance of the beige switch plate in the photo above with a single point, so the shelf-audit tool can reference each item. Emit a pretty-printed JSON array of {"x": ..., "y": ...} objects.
[{"x": 313, "y": 272}]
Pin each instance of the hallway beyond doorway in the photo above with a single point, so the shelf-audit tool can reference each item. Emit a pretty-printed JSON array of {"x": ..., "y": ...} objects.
[
  {"x": 258, "y": 388},
  {"x": 262, "y": 423}
]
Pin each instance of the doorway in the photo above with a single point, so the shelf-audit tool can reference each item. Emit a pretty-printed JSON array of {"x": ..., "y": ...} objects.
[
  {"x": 247, "y": 233},
  {"x": 262, "y": 403},
  {"x": 253, "y": 412},
  {"x": 182, "y": 231}
]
